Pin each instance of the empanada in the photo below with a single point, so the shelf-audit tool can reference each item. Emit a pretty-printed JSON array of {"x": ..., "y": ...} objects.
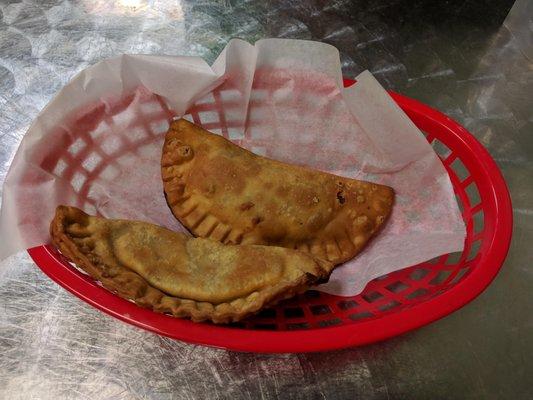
[
  {"x": 221, "y": 191},
  {"x": 172, "y": 273}
]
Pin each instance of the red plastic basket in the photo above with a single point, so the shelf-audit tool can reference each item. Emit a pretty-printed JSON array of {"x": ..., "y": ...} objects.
[{"x": 389, "y": 306}]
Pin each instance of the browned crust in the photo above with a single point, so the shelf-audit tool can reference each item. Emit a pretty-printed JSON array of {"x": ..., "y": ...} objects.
[
  {"x": 361, "y": 211},
  {"x": 130, "y": 285}
]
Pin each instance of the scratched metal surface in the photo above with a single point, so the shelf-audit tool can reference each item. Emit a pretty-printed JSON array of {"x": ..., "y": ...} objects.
[{"x": 458, "y": 58}]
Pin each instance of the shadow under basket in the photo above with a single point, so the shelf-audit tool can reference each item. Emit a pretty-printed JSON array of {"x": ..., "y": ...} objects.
[{"x": 389, "y": 305}]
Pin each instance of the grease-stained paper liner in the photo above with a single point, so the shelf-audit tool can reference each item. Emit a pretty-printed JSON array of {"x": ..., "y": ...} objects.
[{"x": 97, "y": 145}]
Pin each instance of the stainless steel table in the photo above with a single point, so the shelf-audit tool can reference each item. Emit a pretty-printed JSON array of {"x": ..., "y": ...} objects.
[{"x": 459, "y": 57}]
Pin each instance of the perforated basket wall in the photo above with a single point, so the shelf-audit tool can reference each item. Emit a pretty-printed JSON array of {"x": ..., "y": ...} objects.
[{"x": 389, "y": 305}]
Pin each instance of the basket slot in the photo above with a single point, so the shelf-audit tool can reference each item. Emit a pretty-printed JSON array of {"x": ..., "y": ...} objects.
[
  {"x": 269, "y": 313},
  {"x": 453, "y": 258},
  {"x": 372, "y": 297},
  {"x": 346, "y": 305},
  {"x": 460, "y": 170},
  {"x": 158, "y": 128},
  {"x": 361, "y": 315},
  {"x": 320, "y": 309},
  {"x": 109, "y": 173},
  {"x": 112, "y": 145},
  {"x": 389, "y": 306},
  {"x": 397, "y": 287},
  {"x": 266, "y": 327},
  {"x": 418, "y": 274},
  {"x": 433, "y": 260},
  {"x": 102, "y": 127},
  {"x": 440, "y": 277},
  {"x": 77, "y": 181},
  {"x": 293, "y": 312},
  {"x": 329, "y": 322},
  {"x": 60, "y": 167},
  {"x": 440, "y": 148},
  {"x": 474, "y": 250},
  {"x": 237, "y": 325},
  {"x": 78, "y": 145},
  {"x": 298, "y": 325},
  {"x": 312, "y": 294},
  {"x": 91, "y": 162},
  {"x": 473, "y": 194},
  {"x": 417, "y": 293},
  {"x": 210, "y": 117}
]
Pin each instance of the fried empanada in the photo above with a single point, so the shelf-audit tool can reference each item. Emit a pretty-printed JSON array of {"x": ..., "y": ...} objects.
[
  {"x": 172, "y": 273},
  {"x": 221, "y": 191}
]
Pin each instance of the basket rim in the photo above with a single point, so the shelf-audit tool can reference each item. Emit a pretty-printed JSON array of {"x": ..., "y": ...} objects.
[{"x": 328, "y": 338}]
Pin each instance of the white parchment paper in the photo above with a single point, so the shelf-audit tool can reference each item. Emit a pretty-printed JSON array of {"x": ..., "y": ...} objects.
[{"x": 97, "y": 145}]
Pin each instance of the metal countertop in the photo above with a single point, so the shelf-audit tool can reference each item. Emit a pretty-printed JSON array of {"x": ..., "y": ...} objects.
[{"x": 460, "y": 57}]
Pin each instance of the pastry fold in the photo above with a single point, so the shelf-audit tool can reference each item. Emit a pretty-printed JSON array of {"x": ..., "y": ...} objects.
[
  {"x": 221, "y": 191},
  {"x": 170, "y": 272}
]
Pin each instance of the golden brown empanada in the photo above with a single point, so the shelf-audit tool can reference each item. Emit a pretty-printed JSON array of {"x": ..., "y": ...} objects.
[
  {"x": 172, "y": 273},
  {"x": 221, "y": 191}
]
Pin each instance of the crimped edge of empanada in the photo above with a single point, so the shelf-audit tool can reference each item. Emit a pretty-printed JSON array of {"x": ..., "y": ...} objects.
[
  {"x": 188, "y": 207},
  {"x": 131, "y": 286}
]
